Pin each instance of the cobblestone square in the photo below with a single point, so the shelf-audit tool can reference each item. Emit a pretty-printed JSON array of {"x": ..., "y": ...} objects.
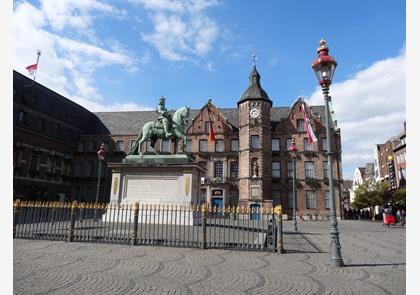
[{"x": 374, "y": 257}]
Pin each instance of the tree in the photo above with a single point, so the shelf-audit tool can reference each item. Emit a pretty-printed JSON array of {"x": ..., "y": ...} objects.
[
  {"x": 399, "y": 198},
  {"x": 369, "y": 194}
]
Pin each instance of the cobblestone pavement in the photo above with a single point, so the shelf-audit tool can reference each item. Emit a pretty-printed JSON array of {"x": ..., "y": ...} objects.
[{"x": 374, "y": 258}]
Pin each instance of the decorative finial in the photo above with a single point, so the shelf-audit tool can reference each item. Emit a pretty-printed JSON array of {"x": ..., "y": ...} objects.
[
  {"x": 254, "y": 58},
  {"x": 38, "y": 52},
  {"x": 209, "y": 100},
  {"x": 322, "y": 45}
]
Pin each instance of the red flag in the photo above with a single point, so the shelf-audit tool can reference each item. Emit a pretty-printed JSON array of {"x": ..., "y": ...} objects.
[
  {"x": 309, "y": 131},
  {"x": 32, "y": 69},
  {"x": 211, "y": 135}
]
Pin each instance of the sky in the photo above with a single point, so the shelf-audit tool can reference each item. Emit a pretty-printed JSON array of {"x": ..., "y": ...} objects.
[{"x": 124, "y": 55}]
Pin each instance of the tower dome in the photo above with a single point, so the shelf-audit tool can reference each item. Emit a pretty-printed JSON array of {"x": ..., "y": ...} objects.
[{"x": 254, "y": 90}]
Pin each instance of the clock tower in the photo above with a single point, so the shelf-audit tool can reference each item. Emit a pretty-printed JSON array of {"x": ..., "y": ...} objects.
[{"x": 255, "y": 171}]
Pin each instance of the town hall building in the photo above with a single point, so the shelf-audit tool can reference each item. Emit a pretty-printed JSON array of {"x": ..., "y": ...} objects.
[{"x": 247, "y": 164}]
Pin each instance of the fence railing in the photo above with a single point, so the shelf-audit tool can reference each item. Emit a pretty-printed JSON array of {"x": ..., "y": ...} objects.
[{"x": 142, "y": 224}]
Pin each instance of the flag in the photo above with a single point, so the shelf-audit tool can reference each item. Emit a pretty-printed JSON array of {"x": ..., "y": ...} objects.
[
  {"x": 309, "y": 131},
  {"x": 211, "y": 134},
  {"x": 32, "y": 69},
  {"x": 101, "y": 152}
]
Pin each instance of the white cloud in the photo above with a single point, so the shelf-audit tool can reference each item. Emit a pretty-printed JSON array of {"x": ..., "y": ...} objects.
[
  {"x": 181, "y": 29},
  {"x": 67, "y": 65},
  {"x": 75, "y": 14},
  {"x": 370, "y": 109}
]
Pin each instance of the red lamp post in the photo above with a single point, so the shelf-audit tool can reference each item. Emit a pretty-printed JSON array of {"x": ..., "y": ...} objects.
[
  {"x": 293, "y": 154},
  {"x": 324, "y": 67}
]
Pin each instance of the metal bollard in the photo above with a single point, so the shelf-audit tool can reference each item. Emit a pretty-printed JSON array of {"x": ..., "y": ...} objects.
[
  {"x": 136, "y": 224},
  {"x": 73, "y": 209},
  {"x": 16, "y": 210},
  {"x": 203, "y": 238},
  {"x": 279, "y": 225}
]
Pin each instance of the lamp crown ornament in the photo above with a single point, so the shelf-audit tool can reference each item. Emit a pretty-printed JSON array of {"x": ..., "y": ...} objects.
[
  {"x": 324, "y": 65},
  {"x": 322, "y": 45}
]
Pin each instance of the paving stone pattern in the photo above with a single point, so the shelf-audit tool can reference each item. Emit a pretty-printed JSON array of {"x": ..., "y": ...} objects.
[{"x": 374, "y": 257}]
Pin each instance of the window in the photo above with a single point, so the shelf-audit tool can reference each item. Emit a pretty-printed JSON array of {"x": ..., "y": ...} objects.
[
  {"x": 310, "y": 200},
  {"x": 149, "y": 146},
  {"x": 276, "y": 169},
  {"x": 188, "y": 146},
  {"x": 276, "y": 197},
  {"x": 81, "y": 147},
  {"x": 275, "y": 144},
  {"x": 34, "y": 162},
  {"x": 234, "y": 145},
  {"x": 203, "y": 145},
  {"x": 89, "y": 169},
  {"x": 79, "y": 169},
  {"x": 22, "y": 117},
  {"x": 255, "y": 141},
  {"x": 300, "y": 125},
  {"x": 56, "y": 130},
  {"x": 92, "y": 146},
  {"x": 66, "y": 168},
  {"x": 220, "y": 147},
  {"x": 324, "y": 144},
  {"x": 119, "y": 145},
  {"x": 327, "y": 200},
  {"x": 164, "y": 146},
  {"x": 325, "y": 164},
  {"x": 207, "y": 127},
  {"x": 307, "y": 146},
  {"x": 234, "y": 169},
  {"x": 290, "y": 197},
  {"x": 41, "y": 124},
  {"x": 309, "y": 170},
  {"x": 218, "y": 169},
  {"x": 290, "y": 169},
  {"x": 288, "y": 143}
]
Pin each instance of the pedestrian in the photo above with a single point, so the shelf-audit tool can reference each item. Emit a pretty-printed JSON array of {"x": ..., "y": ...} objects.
[{"x": 398, "y": 216}]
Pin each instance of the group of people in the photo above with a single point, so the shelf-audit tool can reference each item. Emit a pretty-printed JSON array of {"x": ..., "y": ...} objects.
[
  {"x": 357, "y": 214},
  {"x": 365, "y": 214}
]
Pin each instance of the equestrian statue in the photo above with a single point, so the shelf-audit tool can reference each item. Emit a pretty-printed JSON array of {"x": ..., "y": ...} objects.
[{"x": 166, "y": 127}]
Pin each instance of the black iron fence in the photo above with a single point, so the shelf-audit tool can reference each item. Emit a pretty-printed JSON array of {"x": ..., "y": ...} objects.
[{"x": 141, "y": 224}]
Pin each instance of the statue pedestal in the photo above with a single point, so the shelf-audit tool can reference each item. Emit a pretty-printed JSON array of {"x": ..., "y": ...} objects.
[{"x": 156, "y": 180}]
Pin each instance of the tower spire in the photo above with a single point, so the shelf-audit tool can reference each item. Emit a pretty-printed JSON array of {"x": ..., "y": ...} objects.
[{"x": 254, "y": 59}]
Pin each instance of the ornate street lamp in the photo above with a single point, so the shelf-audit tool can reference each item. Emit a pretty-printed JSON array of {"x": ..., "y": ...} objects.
[
  {"x": 293, "y": 154},
  {"x": 324, "y": 67}
]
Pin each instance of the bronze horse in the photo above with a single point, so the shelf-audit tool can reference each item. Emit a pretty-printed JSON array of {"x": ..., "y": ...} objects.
[{"x": 153, "y": 131}]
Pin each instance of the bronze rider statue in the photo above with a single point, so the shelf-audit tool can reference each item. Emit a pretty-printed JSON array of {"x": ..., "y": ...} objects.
[{"x": 163, "y": 116}]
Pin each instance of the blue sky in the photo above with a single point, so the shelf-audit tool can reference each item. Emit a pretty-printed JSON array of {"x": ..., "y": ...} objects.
[{"x": 124, "y": 55}]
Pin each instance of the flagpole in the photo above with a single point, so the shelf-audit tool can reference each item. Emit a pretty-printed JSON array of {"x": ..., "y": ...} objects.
[{"x": 38, "y": 53}]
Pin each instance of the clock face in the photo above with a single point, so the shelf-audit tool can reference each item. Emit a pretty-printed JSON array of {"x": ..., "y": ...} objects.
[{"x": 254, "y": 113}]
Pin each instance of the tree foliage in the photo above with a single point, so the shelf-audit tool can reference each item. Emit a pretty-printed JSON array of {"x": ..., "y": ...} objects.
[
  {"x": 370, "y": 194},
  {"x": 400, "y": 197}
]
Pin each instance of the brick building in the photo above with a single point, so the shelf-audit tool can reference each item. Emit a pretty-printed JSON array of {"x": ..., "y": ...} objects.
[
  {"x": 248, "y": 163},
  {"x": 46, "y": 132},
  {"x": 390, "y": 160}
]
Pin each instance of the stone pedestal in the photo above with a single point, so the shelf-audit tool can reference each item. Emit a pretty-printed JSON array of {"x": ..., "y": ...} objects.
[{"x": 156, "y": 180}]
